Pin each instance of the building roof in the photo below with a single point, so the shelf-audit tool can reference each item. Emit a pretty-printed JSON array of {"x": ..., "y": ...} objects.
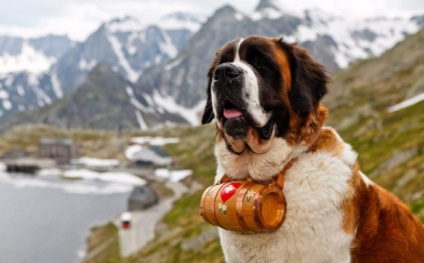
[
  {"x": 152, "y": 154},
  {"x": 143, "y": 194},
  {"x": 159, "y": 151}
]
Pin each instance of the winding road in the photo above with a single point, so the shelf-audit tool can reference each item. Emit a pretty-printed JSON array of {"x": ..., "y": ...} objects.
[{"x": 143, "y": 223}]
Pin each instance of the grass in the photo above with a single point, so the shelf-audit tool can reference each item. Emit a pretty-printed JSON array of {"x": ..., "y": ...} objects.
[
  {"x": 103, "y": 245},
  {"x": 100, "y": 144}
]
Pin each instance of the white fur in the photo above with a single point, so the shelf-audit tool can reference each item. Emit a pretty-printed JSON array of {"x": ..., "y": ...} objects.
[
  {"x": 314, "y": 188},
  {"x": 366, "y": 179},
  {"x": 250, "y": 94},
  {"x": 261, "y": 167},
  {"x": 214, "y": 106},
  {"x": 237, "y": 58}
]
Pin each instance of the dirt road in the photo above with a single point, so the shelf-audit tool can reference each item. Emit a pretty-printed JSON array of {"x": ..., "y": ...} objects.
[{"x": 143, "y": 223}]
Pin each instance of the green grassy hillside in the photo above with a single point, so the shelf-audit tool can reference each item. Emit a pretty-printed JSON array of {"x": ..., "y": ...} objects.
[{"x": 390, "y": 145}]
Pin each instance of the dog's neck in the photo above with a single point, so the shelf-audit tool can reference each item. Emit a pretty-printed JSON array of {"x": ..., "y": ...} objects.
[
  {"x": 260, "y": 167},
  {"x": 263, "y": 166}
]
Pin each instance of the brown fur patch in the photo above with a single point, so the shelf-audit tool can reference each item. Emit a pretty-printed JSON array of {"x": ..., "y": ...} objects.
[
  {"x": 306, "y": 129},
  {"x": 386, "y": 230},
  {"x": 327, "y": 141},
  {"x": 256, "y": 144},
  {"x": 283, "y": 62},
  {"x": 350, "y": 205}
]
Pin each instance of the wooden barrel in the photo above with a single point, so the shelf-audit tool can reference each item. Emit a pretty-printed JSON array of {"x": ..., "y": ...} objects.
[{"x": 244, "y": 206}]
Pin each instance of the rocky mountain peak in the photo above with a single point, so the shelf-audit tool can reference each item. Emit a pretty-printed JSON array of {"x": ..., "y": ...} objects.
[
  {"x": 181, "y": 20},
  {"x": 183, "y": 16},
  {"x": 269, "y": 4},
  {"x": 125, "y": 24}
]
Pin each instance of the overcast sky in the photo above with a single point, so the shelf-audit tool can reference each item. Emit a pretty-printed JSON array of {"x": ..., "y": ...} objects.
[{"x": 78, "y": 18}]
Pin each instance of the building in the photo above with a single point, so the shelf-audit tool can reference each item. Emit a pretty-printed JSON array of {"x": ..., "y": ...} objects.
[
  {"x": 28, "y": 165},
  {"x": 142, "y": 197},
  {"x": 61, "y": 150},
  {"x": 151, "y": 156},
  {"x": 16, "y": 153}
]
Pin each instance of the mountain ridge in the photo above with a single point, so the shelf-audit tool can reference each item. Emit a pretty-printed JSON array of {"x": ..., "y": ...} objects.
[{"x": 168, "y": 66}]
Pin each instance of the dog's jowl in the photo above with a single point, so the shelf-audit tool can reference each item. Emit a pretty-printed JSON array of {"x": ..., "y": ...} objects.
[{"x": 264, "y": 95}]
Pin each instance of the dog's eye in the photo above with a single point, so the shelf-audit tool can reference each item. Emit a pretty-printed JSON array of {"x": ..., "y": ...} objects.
[{"x": 258, "y": 63}]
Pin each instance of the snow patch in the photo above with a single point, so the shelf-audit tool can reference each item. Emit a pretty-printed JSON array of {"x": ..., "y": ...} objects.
[
  {"x": 9, "y": 81},
  {"x": 20, "y": 90},
  {"x": 7, "y": 105},
  {"x": 81, "y": 174},
  {"x": 122, "y": 178},
  {"x": 49, "y": 172},
  {"x": 33, "y": 80},
  {"x": 4, "y": 94},
  {"x": 354, "y": 38},
  {"x": 115, "y": 177},
  {"x": 128, "y": 24},
  {"x": 191, "y": 115},
  {"x": 30, "y": 60},
  {"x": 238, "y": 16},
  {"x": 147, "y": 155},
  {"x": 133, "y": 99},
  {"x": 140, "y": 120},
  {"x": 157, "y": 141},
  {"x": 406, "y": 103},
  {"x": 91, "y": 185},
  {"x": 117, "y": 49},
  {"x": 180, "y": 21},
  {"x": 173, "y": 176},
  {"x": 167, "y": 46},
  {"x": 96, "y": 162},
  {"x": 131, "y": 150},
  {"x": 173, "y": 64},
  {"x": 85, "y": 65},
  {"x": 56, "y": 85},
  {"x": 42, "y": 96}
]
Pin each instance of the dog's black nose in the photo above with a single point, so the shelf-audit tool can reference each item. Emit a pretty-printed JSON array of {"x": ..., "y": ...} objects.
[{"x": 226, "y": 72}]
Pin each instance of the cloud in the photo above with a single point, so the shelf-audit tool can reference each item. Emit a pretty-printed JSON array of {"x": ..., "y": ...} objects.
[{"x": 78, "y": 18}]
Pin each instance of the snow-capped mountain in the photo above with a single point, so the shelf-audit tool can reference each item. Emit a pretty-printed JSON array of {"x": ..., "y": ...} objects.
[
  {"x": 24, "y": 81},
  {"x": 126, "y": 45},
  {"x": 33, "y": 55},
  {"x": 349, "y": 39},
  {"x": 34, "y": 73},
  {"x": 334, "y": 41},
  {"x": 181, "y": 20},
  {"x": 166, "y": 63}
]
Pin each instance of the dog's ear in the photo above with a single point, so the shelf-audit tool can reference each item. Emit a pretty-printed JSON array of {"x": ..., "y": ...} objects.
[
  {"x": 309, "y": 79},
  {"x": 208, "y": 114}
]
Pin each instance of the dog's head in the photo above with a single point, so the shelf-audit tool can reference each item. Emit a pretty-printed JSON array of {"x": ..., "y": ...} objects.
[{"x": 260, "y": 88}]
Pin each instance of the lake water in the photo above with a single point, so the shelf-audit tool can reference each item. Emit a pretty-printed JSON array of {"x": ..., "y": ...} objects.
[{"x": 46, "y": 219}]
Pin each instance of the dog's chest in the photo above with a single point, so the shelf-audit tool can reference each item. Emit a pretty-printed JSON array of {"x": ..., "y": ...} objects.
[{"x": 312, "y": 231}]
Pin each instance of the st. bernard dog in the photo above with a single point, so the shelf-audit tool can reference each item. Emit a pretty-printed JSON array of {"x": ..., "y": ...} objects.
[{"x": 264, "y": 95}]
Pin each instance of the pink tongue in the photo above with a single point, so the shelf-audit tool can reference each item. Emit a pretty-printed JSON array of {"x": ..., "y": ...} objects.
[{"x": 231, "y": 113}]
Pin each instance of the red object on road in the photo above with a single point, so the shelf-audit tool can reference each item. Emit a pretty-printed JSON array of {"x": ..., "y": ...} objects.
[{"x": 126, "y": 220}]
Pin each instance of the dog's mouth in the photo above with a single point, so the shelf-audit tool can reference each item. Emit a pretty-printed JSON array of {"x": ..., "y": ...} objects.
[
  {"x": 235, "y": 120},
  {"x": 241, "y": 131}
]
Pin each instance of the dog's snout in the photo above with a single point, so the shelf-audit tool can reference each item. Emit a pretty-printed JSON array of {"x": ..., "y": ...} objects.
[{"x": 226, "y": 72}]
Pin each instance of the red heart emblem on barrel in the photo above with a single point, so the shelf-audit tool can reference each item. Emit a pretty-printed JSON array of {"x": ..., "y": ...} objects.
[{"x": 228, "y": 191}]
